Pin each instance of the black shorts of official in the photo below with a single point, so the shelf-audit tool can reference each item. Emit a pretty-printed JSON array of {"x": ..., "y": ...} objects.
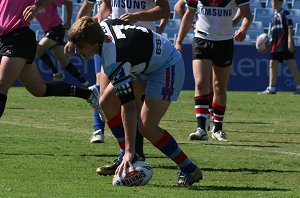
[
  {"x": 281, "y": 56},
  {"x": 19, "y": 43},
  {"x": 220, "y": 52},
  {"x": 57, "y": 34}
]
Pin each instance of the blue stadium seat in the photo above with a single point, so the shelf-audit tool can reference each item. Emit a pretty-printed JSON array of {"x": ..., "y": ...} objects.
[
  {"x": 256, "y": 28},
  {"x": 76, "y": 8},
  {"x": 295, "y": 15},
  {"x": 297, "y": 29},
  {"x": 188, "y": 39},
  {"x": 264, "y": 15},
  {"x": 172, "y": 4},
  {"x": 172, "y": 27},
  {"x": 297, "y": 40},
  {"x": 295, "y": 4}
]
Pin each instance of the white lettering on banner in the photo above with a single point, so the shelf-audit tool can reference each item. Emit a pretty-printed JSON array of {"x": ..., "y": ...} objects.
[{"x": 247, "y": 67}]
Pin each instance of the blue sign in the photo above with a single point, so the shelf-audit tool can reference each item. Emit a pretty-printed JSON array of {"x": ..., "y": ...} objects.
[{"x": 249, "y": 72}]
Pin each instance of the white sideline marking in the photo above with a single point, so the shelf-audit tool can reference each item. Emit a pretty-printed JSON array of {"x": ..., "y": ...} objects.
[
  {"x": 35, "y": 126},
  {"x": 251, "y": 149},
  {"x": 42, "y": 127},
  {"x": 232, "y": 147}
]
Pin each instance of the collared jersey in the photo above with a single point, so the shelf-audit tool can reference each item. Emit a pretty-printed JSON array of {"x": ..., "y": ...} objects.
[
  {"x": 120, "y": 7},
  {"x": 48, "y": 17},
  {"x": 129, "y": 49},
  {"x": 215, "y": 18},
  {"x": 11, "y": 15},
  {"x": 279, "y": 30}
]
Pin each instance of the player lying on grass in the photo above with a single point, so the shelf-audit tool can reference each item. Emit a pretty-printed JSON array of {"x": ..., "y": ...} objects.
[{"x": 128, "y": 52}]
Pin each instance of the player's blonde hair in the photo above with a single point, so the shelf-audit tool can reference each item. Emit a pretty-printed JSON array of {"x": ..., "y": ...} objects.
[{"x": 85, "y": 30}]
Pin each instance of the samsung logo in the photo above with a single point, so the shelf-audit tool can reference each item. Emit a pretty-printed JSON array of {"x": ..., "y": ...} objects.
[
  {"x": 131, "y": 4},
  {"x": 214, "y": 12}
]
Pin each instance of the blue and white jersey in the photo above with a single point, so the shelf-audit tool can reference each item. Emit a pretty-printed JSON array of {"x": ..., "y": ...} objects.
[
  {"x": 120, "y": 7},
  {"x": 133, "y": 50},
  {"x": 215, "y": 18}
]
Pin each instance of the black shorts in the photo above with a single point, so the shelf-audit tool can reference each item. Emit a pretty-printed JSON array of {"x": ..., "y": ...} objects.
[
  {"x": 19, "y": 43},
  {"x": 220, "y": 52},
  {"x": 57, "y": 34},
  {"x": 281, "y": 56}
]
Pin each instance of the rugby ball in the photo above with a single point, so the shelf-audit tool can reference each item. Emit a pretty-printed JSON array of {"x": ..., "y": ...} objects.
[
  {"x": 139, "y": 176},
  {"x": 263, "y": 43}
]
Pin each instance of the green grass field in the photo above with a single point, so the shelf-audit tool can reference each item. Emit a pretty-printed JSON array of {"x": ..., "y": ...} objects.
[{"x": 45, "y": 150}]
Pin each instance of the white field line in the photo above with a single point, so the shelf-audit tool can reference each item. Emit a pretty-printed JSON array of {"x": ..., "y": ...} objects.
[
  {"x": 42, "y": 127},
  {"x": 231, "y": 147},
  {"x": 252, "y": 149}
]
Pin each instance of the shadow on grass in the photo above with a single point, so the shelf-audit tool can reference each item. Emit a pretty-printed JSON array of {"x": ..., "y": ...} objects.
[{"x": 231, "y": 188}]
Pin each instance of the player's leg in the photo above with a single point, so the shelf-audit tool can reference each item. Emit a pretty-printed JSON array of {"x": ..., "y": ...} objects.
[
  {"x": 163, "y": 87},
  {"x": 220, "y": 80},
  {"x": 44, "y": 44},
  {"x": 223, "y": 55},
  {"x": 110, "y": 104},
  {"x": 99, "y": 123},
  {"x": 296, "y": 74},
  {"x": 202, "y": 76},
  {"x": 58, "y": 51},
  {"x": 273, "y": 70},
  {"x": 10, "y": 69}
]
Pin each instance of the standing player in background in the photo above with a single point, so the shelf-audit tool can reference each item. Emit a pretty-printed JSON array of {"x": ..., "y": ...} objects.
[
  {"x": 54, "y": 30},
  {"x": 159, "y": 67},
  {"x": 99, "y": 122},
  {"x": 282, "y": 46},
  {"x": 144, "y": 13},
  {"x": 212, "y": 55},
  {"x": 18, "y": 51}
]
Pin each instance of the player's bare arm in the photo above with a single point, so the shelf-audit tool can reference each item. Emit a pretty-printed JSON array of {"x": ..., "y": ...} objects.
[
  {"x": 31, "y": 11},
  {"x": 240, "y": 34},
  {"x": 160, "y": 11}
]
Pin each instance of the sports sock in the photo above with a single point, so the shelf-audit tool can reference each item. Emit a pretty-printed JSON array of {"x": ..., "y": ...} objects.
[
  {"x": 64, "y": 89},
  {"x": 75, "y": 72},
  {"x": 219, "y": 112},
  {"x": 116, "y": 126},
  {"x": 98, "y": 123},
  {"x": 3, "y": 99},
  {"x": 201, "y": 110},
  {"x": 46, "y": 59},
  {"x": 139, "y": 144},
  {"x": 168, "y": 145}
]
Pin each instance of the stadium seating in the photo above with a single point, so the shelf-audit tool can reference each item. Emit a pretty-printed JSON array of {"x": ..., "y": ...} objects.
[
  {"x": 188, "y": 39},
  {"x": 295, "y": 4},
  {"x": 297, "y": 29},
  {"x": 295, "y": 15},
  {"x": 255, "y": 29},
  {"x": 172, "y": 27},
  {"x": 264, "y": 15}
]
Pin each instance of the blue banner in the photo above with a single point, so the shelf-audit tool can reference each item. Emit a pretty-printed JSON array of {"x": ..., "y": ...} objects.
[{"x": 249, "y": 72}]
